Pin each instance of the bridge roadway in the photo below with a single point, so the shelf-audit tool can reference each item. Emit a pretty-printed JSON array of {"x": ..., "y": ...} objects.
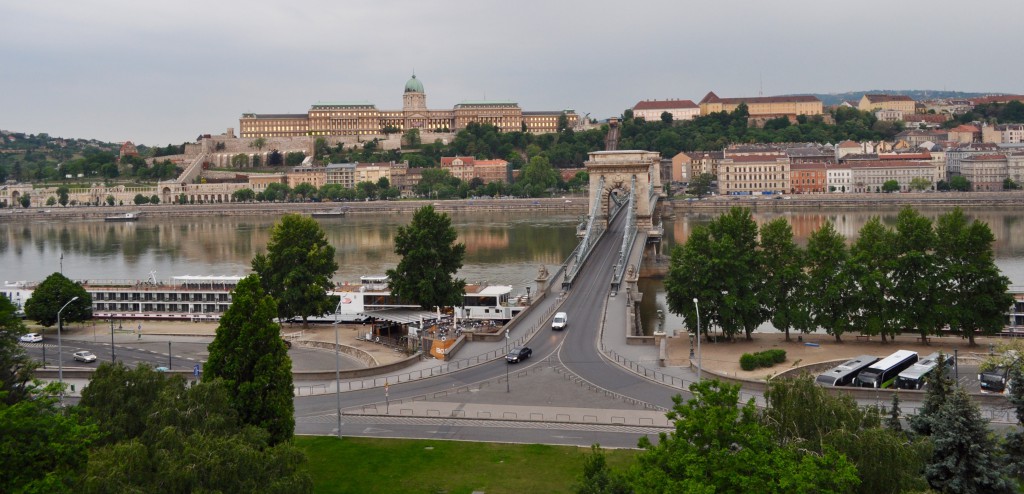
[{"x": 574, "y": 350}]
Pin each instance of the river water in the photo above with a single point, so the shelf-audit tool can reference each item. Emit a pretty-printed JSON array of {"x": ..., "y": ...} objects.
[{"x": 503, "y": 248}]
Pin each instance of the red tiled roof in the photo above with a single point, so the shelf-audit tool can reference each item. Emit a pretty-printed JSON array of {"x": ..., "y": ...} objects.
[
  {"x": 849, "y": 144},
  {"x": 665, "y": 104},
  {"x": 985, "y": 157},
  {"x": 881, "y": 98},
  {"x": 904, "y": 156},
  {"x": 1003, "y": 98},
  {"x": 447, "y": 160}
]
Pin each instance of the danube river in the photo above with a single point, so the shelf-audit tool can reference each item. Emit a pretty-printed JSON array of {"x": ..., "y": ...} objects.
[{"x": 503, "y": 248}]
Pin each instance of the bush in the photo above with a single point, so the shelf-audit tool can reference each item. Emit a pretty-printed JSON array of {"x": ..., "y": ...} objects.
[
  {"x": 767, "y": 358},
  {"x": 748, "y": 362}
]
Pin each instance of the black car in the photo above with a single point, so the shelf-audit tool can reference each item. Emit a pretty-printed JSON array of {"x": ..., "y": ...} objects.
[{"x": 518, "y": 354}]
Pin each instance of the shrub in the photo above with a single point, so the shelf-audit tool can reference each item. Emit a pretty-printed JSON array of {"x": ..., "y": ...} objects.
[
  {"x": 748, "y": 362},
  {"x": 767, "y": 358}
]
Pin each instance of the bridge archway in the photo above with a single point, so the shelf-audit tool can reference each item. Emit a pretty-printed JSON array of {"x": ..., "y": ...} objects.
[{"x": 618, "y": 168}]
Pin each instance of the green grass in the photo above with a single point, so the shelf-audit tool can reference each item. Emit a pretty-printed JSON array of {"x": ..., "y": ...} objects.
[{"x": 367, "y": 466}]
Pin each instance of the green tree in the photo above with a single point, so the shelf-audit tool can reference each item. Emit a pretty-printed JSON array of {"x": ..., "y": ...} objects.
[
  {"x": 276, "y": 192},
  {"x": 598, "y": 478},
  {"x": 240, "y": 160},
  {"x": 718, "y": 446},
  {"x": 959, "y": 183},
  {"x": 701, "y": 185},
  {"x": 784, "y": 277},
  {"x": 366, "y": 190},
  {"x": 294, "y": 158},
  {"x": 890, "y": 186},
  {"x": 830, "y": 293},
  {"x": 119, "y": 399},
  {"x": 976, "y": 293},
  {"x": 430, "y": 258},
  {"x": 140, "y": 199},
  {"x": 940, "y": 386},
  {"x": 305, "y": 191},
  {"x": 26, "y": 201},
  {"x": 538, "y": 176},
  {"x": 411, "y": 138},
  {"x": 914, "y": 276},
  {"x": 243, "y": 195},
  {"x": 920, "y": 183},
  {"x": 666, "y": 118},
  {"x": 297, "y": 268},
  {"x": 249, "y": 354},
  {"x": 51, "y": 201},
  {"x": 62, "y": 195},
  {"x": 258, "y": 143},
  {"x": 110, "y": 200},
  {"x": 43, "y": 447},
  {"x": 870, "y": 267},
  {"x": 51, "y": 295},
  {"x": 15, "y": 365},
  {"x": 154, "y": 199},
  {"x": 965, "y": 458}
]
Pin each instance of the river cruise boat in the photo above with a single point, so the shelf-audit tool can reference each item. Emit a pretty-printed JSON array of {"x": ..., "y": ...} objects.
[
  {"x": 331, "y": 213},
  {"x": 206, "y": 298}
]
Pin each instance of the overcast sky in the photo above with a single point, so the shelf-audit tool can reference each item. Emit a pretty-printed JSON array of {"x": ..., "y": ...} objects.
[{"x": 159, "y": 72}]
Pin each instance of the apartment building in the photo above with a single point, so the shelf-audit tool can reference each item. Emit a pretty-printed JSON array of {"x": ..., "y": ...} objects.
[
  {"x": 755, "y": 174},
  {"x": 869, "y": 176}
]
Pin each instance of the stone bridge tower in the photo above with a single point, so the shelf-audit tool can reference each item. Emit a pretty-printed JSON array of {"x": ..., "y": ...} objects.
[{"x": 618, "y": 169}]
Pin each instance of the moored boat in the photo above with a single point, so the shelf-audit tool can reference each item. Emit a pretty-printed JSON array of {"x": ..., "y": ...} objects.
[{"x": 122, "y": 217}]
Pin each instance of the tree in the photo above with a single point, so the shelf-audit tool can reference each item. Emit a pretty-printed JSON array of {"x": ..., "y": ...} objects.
[
  {"x": 297, "y": 268},
  {"x": 119, "y": 399},
  {"x": 239, "y": 160},
  {"x": 305, "y": 191},
  {"x": 249, "y": 354},
  {"x": 939, "y": 387},
  {"x": 411, "y": 138},
  {"x": 830, "y": 291},
  {"x": 890, "y": 186},
  {"x": 294, "y": 158},
  {"x": 243, "y": 195},
  {"x": 538, "y": 176},
  {"x": 51, "y": 295},
  {"x": 914, "y": 275},
  {"x": 44, "y": 447},
  {"x": 276, "y": 192},
  {"x": 718, "y": 446},
  {"x": 26, "y": 201},
  {"x": 15, "y": 365},
  {"x": 701, "y": 185},
  {"x": 666, "y": 118},
  {"x": 920, "y": 183},
  {"x": 784, "y": 277},
  {"x": 430, "y": 259},
  {"x": 598, "y": 478},
  {"x": 110, "y": 200},
  {"x": 1009, "y": 184},
  {"x": 965, "y": 458},
  {"x": 62, "y": 194},
  {"x": 959, "y": 183},
  {"x": 869, "y": 266},
  {"x": 258, "y": 143},
  {"x": 976, "y": 293},
  {"x": 140, "y": 199}
]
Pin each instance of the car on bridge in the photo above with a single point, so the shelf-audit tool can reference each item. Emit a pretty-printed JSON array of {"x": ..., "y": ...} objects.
[
  {"x": 560, "y": 321},
  {"x": 518, "y": 354}
]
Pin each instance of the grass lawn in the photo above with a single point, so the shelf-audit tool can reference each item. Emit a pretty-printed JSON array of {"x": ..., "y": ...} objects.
[{"x": 366, "y": 466}]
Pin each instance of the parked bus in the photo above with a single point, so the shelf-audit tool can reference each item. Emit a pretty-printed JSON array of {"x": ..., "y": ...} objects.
[
  {"x": 917, "y": 375},
  {"x": 842, "y": 375},
  {"x": 882, "y": 374}
]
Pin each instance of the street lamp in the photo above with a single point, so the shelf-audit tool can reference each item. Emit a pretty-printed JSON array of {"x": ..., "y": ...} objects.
[
  {"x": 337, "y": 371},
  {"x": 527, "y": 295},
  {"x": 507, "y": 388},
  {"x": 695, "y": 305},
  {"x": 60, "y": 350}
]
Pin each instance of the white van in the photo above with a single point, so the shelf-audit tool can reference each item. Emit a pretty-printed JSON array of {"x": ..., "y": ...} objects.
[{"x": 560, "y": 321}]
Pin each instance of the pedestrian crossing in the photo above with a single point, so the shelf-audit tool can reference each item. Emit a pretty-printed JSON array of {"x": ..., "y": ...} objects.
[{"x": 330, "y": 418}]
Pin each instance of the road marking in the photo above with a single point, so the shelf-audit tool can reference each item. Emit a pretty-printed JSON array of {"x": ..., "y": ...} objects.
[{"x": 374, "y": 430}]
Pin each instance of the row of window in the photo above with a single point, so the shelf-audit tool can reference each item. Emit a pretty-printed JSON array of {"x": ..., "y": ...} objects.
[{"x": 201, "y": 308}]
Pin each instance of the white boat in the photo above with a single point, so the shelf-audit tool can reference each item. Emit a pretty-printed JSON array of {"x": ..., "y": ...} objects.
[
  {"x": 122, "y": 217},
  {"x": 332, "y": 213}
]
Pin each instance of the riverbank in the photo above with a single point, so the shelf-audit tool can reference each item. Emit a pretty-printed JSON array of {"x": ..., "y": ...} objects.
[{"x": 918, "y": 200}]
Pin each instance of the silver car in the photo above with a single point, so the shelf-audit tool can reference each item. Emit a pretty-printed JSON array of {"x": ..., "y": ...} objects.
[{"x": 85, "y": 356}]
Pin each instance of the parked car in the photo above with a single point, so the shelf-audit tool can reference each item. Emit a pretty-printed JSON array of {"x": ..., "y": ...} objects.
[
  {"x": 31, "y": 338},
  {"x": 85, "y": 356},
  {"x": 518, "y": 354}
]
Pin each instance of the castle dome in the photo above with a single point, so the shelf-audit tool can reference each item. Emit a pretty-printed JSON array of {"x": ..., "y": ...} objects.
[{"x": 413, "y": 85}]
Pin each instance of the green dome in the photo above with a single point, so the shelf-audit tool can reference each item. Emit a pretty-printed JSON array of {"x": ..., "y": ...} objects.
[{"x": 413, "y": 85}]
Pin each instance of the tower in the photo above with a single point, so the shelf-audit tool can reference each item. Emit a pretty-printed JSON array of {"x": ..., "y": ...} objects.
[{"x": 414, "y": 99}]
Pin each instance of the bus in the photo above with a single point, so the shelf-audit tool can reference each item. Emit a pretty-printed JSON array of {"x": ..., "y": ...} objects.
[
  {"x": 843, "y": 375},
  {"x": 882, "y": 374},
  {"x": 917, "y": 375}
]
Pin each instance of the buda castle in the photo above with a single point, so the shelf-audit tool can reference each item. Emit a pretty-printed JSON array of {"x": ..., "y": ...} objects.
[{"x": 364, "y": 119}]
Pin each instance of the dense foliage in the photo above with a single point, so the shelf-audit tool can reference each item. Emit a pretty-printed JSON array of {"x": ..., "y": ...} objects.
[
  {"x": 916, "y": 278},
  {"x": 51, "y": 295}
]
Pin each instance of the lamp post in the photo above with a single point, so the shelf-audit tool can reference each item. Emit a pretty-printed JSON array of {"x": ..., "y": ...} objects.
[
  {"x": 507, "y": 388},
  {"x": 337, "y": 371},
  {"x": 697, "y": 306},
  {"x": 60, "y": 350},
  {"x": 527, "y": 295}
]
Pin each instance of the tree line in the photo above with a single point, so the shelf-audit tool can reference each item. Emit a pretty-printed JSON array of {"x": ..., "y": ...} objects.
[{"x": 916, "y": 277}]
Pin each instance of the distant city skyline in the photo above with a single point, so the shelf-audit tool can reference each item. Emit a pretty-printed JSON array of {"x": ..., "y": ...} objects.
[{"x": 164, "y": 73}]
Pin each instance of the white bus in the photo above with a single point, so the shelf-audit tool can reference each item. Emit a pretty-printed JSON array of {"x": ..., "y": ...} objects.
[
  {"x": 917, "y": 375},
  {"x": 882, "y": 374}
]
